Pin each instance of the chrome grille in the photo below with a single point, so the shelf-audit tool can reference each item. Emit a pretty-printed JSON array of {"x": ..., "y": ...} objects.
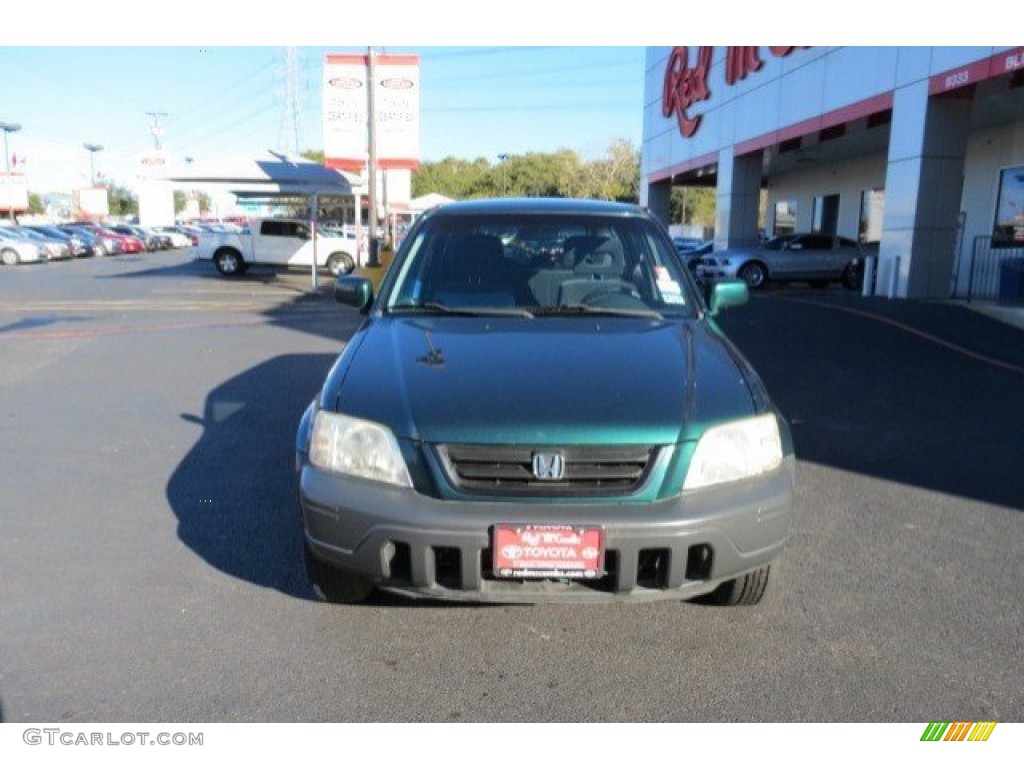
[{"x": 498, "y": 470}]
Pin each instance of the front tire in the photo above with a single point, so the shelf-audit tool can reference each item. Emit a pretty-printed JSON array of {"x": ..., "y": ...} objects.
[
  {"x": 340, "y": 264},
  {"x": 334, "y": 586},
  {"x": 229, "y": 263},
  {"x": 9, "y": 257},
  {"x": 754, "y": 275},
  {"x": 743, "y": 590}
]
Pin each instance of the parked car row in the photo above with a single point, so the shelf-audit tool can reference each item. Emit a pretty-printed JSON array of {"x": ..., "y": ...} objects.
[{"x": 49, "y": 242}]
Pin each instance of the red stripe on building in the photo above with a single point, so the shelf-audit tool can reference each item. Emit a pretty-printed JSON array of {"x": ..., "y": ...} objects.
[
  {"x": 870, "y": 106},
  {"x": 685, "y": 167},
  {"x": 975, "y": 72}
]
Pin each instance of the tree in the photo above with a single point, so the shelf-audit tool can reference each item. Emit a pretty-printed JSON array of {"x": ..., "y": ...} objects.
[
  {"x": 35, "y": 203},
  {"x": 535, "y": 174},
  {"x": 316, "y": 155},
  {"x": 122, "y": 201},
  {"x": 693, "y": 205},
  {"x": 616, "y": 177}
]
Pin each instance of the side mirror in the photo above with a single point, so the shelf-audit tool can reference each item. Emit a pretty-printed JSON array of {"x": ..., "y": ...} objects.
[
  {"x": 727, "y": 293},
  {"x": 354, "y": 291}
]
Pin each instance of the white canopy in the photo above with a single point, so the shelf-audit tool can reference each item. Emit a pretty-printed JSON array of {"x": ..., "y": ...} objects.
[
  {"x": 271, "y": 173},
  {"x": 426, "y": 202}
]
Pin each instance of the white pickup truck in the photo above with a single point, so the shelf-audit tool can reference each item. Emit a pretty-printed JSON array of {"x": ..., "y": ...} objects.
[{"x": 281, "y": 242}]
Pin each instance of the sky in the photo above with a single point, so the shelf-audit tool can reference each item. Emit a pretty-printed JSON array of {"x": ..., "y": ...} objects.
[
  {"x": 541, "y": 75},
  {"x": 218, "y": 101}
]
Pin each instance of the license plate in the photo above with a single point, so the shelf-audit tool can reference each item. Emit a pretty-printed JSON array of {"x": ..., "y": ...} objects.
[{"x": 544, "y": 551}]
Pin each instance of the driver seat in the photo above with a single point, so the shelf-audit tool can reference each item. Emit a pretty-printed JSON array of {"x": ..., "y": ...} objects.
[{"x": 601, "y": 266}]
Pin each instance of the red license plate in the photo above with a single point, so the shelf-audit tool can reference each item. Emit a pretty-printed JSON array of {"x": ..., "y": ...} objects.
[{"x": 539, "y": 551}]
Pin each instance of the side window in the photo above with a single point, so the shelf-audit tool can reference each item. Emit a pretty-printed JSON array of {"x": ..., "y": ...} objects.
[
  {"x": 273, "y": 228},
  {"x": 299, "y": 230},
  {"x": 817, "y": 243},
  {"x": 846, "y": 242}
]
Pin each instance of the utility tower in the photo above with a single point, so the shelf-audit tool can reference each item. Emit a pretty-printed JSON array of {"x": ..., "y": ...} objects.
[
  {"x": 156, "y": 129},
  {"x": 288, "y": 136}
]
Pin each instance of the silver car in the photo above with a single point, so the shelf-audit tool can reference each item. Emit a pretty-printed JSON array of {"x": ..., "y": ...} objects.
[
  {"x": 810, "y": 257},
  {"x": 17, "y": 249}
]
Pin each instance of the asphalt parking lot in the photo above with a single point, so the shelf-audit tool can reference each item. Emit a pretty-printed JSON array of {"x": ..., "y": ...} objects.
[{"x": 150, "y": 560}]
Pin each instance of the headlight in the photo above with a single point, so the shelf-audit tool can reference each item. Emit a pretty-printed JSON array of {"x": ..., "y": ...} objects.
[
  {"x": 351, "y": 446},
  {"x": 734, "y": 451}
]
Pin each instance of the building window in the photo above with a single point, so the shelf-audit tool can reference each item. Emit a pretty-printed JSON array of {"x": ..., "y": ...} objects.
[
  {"x": 785, "y": 218},
  {"x": 826, "y": 214},
  {"x": 872, "y": 209},
  {"x": 1009, "y": 224}
]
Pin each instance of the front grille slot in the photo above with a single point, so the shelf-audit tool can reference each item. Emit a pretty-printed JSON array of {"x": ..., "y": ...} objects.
[{"x": 508, "y": 470}]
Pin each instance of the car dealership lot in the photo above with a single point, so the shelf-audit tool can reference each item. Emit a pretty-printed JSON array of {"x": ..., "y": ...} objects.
[{"x": 150, "y": 545}]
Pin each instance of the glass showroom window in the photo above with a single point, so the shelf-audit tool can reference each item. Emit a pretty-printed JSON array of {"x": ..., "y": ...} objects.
[
  {"x": 785, "y": 218},
  {"x": 872, "y": 210},
  {"x": 1009, "y": 224}
]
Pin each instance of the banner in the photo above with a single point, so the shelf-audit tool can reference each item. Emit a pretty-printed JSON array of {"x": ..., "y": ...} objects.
[
  {"x": 92, "y": 202},
  {"x": 13, "y": 193},
  {"x": 396, "y": 103}
]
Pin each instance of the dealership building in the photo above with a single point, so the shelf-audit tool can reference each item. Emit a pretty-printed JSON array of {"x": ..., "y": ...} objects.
[{"x": 916, "y": 151}]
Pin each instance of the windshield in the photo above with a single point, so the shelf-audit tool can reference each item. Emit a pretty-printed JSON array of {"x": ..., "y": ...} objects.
[{"x": 529, "y": 264}]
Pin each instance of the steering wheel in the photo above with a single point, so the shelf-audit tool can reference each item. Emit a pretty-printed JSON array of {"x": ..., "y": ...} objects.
[{"x": 613, "y": 290}]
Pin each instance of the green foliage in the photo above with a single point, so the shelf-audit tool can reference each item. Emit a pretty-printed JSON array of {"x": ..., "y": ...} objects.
[
  {"x": 693, "y": 205},
  {"x": 122, "y": 201},
  {"x": 35, "y": 203},
  {"x": 535, "y": 174}
]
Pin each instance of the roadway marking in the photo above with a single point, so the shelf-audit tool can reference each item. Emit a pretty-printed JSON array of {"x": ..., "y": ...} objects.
[
  {"x": 913, "y": 331},
  {"x": 123, "y": 331}
]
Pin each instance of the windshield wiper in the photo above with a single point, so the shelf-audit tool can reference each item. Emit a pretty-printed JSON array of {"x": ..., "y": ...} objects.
[
  {"x": 434, "y": 306},
  {"x": 586, "y": 309}
]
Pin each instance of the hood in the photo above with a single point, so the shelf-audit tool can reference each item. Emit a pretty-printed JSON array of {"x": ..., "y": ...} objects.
[{"x": 541, "y": 381}]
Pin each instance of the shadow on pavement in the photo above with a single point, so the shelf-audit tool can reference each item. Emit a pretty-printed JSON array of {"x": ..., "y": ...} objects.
[
  {"x": 234, "y": 493},
  {"x": 921, "y": 393},
  {"x": 885, "y": 389}
]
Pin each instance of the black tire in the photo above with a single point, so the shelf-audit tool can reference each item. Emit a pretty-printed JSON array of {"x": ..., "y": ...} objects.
[
  {"x": 334, "y": 586},
  {"x": 9, "y": 257},
  {"x": 754, "y": 274},
  {"x": 743, "y": 590},
  {"x": 228, "y": 262},
  {"x": 340, "y": 264}
]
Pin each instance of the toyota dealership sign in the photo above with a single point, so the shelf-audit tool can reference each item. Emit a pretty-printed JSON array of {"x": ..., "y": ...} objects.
[{"x": 396, "y": 101}]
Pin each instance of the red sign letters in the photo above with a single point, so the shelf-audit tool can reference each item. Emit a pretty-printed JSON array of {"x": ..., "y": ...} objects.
[{"x": 684, "y": 85}]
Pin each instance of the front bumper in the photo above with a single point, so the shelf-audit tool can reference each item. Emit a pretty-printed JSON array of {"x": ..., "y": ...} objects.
[{"x": 425, "y": 547}]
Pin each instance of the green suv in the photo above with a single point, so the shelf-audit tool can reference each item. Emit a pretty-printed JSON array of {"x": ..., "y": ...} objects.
[{"x": 539, "y": 406}]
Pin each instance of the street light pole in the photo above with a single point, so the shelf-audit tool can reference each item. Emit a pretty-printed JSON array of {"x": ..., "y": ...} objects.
[
  {"x": 93, "y": 149},
  {"x": 371, "y": 165},
  {"x": 503, "y": 157},
  {"x": 9, "y": 128}
]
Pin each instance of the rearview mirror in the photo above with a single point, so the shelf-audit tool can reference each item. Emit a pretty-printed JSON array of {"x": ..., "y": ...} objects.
[
  {"x": 727, "y": 293},
  {"x": 354, "y": 291}
]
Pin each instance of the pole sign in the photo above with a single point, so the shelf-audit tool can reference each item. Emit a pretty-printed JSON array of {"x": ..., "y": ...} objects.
[
  {"x": 13, "y": 193},
  {"x": 397, "y": 104}
]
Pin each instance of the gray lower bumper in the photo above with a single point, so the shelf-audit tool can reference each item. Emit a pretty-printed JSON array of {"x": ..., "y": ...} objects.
[{"x": 676, "y": 548}]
